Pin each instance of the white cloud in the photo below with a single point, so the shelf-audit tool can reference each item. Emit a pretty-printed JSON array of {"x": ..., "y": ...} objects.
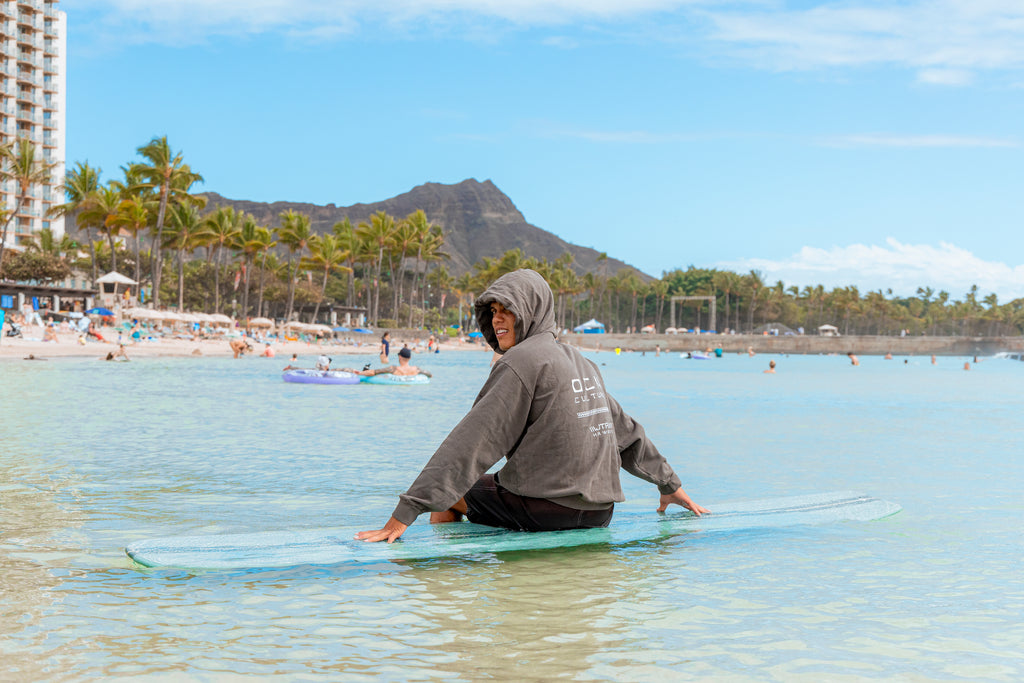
[
  {"x": 918, "y": 141},
  {"x": 944, "y": 42},
  {"x": 901, "y": 267},
  {"x": 954, "y": 77}
]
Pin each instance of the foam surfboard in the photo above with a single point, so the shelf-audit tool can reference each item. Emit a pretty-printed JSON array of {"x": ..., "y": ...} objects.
[
  {"x": 270, "y": 549},
  {"x": 399, "y": 380}
]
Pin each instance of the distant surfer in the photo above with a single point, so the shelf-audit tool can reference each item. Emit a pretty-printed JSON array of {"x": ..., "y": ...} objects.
[{"x": 545, "y": 410}]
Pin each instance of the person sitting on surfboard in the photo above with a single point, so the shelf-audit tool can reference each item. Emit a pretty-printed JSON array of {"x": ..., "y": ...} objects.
[{"x": 545, "y": 410}]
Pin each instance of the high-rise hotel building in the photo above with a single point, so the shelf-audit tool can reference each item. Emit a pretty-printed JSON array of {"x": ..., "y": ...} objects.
[{"x": 32, "y": 104}]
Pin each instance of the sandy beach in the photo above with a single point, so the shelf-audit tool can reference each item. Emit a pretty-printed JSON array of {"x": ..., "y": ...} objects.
[{"x": 68, "y": 346}]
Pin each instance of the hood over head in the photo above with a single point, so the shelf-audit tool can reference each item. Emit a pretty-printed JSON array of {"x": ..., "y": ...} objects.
[{"x": 527, "y": 295}]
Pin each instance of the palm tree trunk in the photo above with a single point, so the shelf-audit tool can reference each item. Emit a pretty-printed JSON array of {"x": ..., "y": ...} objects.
[
  {"x": 216, "y": 282},
  {"x": 157, "y": 242},
  {"x": 376, "y": 285},
  {"x": 263, "y": 270},
  {"x": 7, "y": 224},
  {"x": 138, "y": 258},
  {"x": 291, "y": 287},
  {"x": 113, "y": 254},
  {"x": 181, "y": 280},
  {"x": 323, "y": 293},
  {"x": 245, "y": 294}
]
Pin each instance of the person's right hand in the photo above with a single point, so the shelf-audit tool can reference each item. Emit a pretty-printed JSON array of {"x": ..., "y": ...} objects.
[
  {"x": 679, "y": 497},
  {"x": 391, "y": 531}
]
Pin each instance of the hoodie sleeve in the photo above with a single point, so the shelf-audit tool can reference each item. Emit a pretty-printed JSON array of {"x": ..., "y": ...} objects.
[
  {"x": 490, "y": 431},
  {"x": 640, "y": 457}
]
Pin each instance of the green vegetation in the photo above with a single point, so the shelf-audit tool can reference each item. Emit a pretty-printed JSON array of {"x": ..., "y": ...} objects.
[{"x": 222, "y": 260}]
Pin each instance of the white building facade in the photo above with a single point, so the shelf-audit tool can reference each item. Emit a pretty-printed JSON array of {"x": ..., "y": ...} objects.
[{"x": 33, "y": 59}]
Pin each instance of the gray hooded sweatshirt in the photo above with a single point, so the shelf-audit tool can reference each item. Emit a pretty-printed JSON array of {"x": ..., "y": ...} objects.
[{"x": 545, "y": 410}]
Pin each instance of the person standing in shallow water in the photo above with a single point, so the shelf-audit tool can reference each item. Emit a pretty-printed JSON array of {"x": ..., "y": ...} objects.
[
  {"x": 385, "y": 347},
  {"x": 545, "y": 410}
]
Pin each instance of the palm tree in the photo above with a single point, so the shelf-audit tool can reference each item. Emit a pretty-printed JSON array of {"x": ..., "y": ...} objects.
[
  {"x": 18, "y": 163},
  {"x": 171, "y": 178},
  {"x": 443, "y": 281},
  {"x": 326, "y": 254},
  {"x": 99, "y": 211},
  {"x": 184, "y": 233},
  {"x": 349, "y": 241},
  {"x": 249, "y": 243},
  {"x": 79, "y": 183},
  {"x": 132, "y": 217},
  {"x": 295, "y": 233},
  {"x": 425, "y": 235},
  {"x": 45, "y": 242},
  {"x": 222, "y": 228},
  {"x": 407, "y": 234},
  {"x": 462, "y": 286},
  {"x": 378, "y": 233},
  {"x": 265, "y": 238}
]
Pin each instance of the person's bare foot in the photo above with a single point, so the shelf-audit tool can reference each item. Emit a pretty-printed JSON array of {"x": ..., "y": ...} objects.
[{"x": 445, "y": 516}]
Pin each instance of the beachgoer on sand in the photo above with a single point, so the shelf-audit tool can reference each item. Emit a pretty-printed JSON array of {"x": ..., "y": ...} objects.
[
  {"x": 545, "y": 409},
  {"x": 240, "y": 347}
]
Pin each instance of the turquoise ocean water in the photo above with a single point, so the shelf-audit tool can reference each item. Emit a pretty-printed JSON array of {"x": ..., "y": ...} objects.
[{"x": 97, "y": 455}]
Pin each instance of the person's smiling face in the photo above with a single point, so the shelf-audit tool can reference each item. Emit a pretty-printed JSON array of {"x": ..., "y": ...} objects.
[{"x": 504, "y": 323}]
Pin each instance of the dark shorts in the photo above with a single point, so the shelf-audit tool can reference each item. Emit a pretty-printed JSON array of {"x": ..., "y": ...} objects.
[{"x": 490, "y": 504}]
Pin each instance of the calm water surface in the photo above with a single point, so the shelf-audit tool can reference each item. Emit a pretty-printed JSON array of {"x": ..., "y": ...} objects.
[{"x": 97, "y": 455}]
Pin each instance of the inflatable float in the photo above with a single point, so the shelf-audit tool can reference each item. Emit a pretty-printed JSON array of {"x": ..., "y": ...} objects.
[{"x": 304, "y": 376}]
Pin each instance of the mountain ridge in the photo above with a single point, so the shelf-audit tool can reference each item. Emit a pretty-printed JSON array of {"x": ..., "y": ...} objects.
[{"x": 478, "y": 219}]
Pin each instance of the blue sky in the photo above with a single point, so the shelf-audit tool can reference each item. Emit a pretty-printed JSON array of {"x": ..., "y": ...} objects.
[{"x": 868, "y": 143}]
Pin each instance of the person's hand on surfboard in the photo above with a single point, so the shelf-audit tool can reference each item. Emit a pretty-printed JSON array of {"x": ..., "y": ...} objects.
[
  {"x": 679, "y": 497},
  {"x": 391, "y": 531}
]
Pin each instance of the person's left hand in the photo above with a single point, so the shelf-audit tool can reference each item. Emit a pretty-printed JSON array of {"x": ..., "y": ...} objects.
[
  {"x": 391, "y": 531},
  {"x": 679, "y": 497}
]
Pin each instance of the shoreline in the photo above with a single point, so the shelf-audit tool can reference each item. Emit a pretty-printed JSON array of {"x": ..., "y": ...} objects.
[
  {"x": 862, "y": 345},
  {"x": 68, "y": 346}
]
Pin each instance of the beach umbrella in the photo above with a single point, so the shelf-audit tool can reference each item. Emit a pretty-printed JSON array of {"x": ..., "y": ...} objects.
[
  {"x": 100, "y": 311},
  {"x": 474, "y": 335},
  {"x": 142, "y": 313},
  {"x": 342, "y": 329},
  {"x": 261, "y": 322},
  {"x": 362, "y": 330}
]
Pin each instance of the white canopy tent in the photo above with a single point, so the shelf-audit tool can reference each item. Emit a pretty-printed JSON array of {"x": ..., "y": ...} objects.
[{"x": 592, "y": 326}]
